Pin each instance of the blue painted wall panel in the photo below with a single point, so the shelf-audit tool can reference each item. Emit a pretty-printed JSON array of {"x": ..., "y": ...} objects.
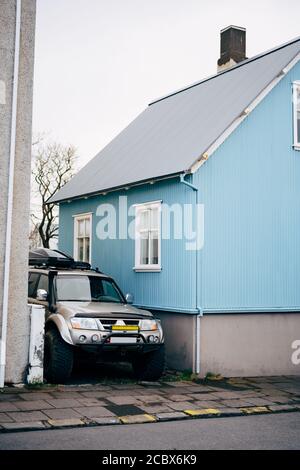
[
  {"x": 251, "y": 191},
  {"x": 175, "y": 285}
]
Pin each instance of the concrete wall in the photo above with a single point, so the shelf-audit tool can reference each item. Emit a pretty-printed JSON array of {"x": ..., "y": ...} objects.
[
  {"x": 179, "y": 332},
  {"x": 18, "y": 318},
  {"x": 249, "y": 345}
]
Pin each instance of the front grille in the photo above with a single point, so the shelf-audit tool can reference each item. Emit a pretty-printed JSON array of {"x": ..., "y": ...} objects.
[{"x": 107, "y": 324}]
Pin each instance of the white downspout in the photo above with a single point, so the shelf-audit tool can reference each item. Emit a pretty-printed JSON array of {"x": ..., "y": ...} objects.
[
  {"x": 198, "y": 343},
  {"x": 197, "y": 352},
  {"x": 10, "y": 193}
]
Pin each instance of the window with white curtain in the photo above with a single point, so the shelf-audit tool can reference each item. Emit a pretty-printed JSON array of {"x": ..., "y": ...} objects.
[
  {"x": 148, "y": 237},
  {"x": 82, "y": 237}
]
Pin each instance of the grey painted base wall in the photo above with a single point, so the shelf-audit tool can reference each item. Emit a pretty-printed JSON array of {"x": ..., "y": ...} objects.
[
  {"x": 249, "y": 344},
  {"x": 179, "y": 339},
  {"x": 233, "y": 344}
]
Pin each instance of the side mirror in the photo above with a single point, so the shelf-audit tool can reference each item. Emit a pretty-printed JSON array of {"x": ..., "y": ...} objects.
[
  {"x": 129, "y": 298},
  {"x": 42, "y": 294}
]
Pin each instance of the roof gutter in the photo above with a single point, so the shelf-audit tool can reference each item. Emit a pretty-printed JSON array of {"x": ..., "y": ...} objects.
[
  {"x": 13, "y": 132},
  {"x": 125, "y": 187}
]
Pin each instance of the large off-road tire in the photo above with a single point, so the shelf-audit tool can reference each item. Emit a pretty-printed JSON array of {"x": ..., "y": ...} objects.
[
  {"x": 150, "y": 366},
  {"x": 59, "y": 358}
]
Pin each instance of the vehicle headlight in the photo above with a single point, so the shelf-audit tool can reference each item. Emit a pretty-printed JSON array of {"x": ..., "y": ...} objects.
[
  {"x": 84, "y": 324},
  {"x": 148, "y": 325}
]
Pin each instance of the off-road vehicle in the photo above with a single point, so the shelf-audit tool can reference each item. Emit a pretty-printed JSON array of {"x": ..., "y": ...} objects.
[{"x": 86, "y": 313}]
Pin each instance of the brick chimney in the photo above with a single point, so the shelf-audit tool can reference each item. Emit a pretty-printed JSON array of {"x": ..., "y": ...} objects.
[{"x": 233, "y": 47}]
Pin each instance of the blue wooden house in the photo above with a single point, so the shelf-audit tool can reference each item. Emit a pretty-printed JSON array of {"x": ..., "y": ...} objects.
[{"x": 223, "y": 153}]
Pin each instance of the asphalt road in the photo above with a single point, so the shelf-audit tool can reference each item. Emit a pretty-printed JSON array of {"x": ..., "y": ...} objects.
[{"x": 277, "y": 431}]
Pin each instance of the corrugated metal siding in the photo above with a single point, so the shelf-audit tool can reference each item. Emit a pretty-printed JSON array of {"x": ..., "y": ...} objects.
[
  {"x": 175, "y": 286},
  {"x": 251, "y": 191}
]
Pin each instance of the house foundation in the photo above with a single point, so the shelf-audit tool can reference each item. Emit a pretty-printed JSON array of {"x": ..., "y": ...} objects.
[{"x": 234, "y": 345}]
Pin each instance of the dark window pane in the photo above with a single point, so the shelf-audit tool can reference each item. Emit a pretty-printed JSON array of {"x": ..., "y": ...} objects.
[
  {"x": 144, "y": 249},
  {"x": 32, "y": 282},
  {"x": 87, "y": 250},
  {"x": 154, "y": 249}
]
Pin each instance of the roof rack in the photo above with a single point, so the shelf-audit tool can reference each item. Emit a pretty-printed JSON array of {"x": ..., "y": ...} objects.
[{"x": 46, "y": 258}]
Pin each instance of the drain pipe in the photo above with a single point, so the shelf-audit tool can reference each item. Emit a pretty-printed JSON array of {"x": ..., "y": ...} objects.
[
  {"x": 13, "y": 131},
  {"x": 198, "y": 342},
  {"x": 197, "y": 359}
]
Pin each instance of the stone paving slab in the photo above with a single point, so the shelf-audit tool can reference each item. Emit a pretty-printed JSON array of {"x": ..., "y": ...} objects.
[
  {"x": 91, "y": 402},
  {"x": 63, "y": 403},
  {"x": 94, "y": 412},
  {"x": 4, "y": 418},
  {"x": 24, "y": 408},
  {"x": 34, "y": 396},
  {"x": 60, "y": 413},
  {"x": 182, "y": 405},
  {"x": 206, "y": 404},
  {"x": 29, "y": 426},
  {"x": 155, "y": 409},
  {"x": 8, "y": 406},
  {"x": 34, "y": 405},
  {"x": 236, "y": 403},
  {"x": 125, "y": 400},
  {"x": 24, "y": 416}
]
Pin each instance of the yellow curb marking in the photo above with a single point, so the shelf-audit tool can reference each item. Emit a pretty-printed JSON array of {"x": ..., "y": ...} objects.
[
  {"x": 204, "y": 412},
  {"x": 255, "y": 409},
  {"x": 135, "y": 419},
  {"x": 65, "y": 422}
]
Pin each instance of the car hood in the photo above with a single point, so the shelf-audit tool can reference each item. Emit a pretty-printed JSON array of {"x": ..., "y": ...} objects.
[{"x": 101, "y": 309}]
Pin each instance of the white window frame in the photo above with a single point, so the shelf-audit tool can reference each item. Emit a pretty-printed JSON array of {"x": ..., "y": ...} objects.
[
  {"x": 138, "y": 267},
  {"x": 296, "y": 87},
  {"x": 77, "y": 219}
]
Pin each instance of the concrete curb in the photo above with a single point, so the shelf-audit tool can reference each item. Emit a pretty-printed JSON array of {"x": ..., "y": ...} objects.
[{"x": 142, "y": 419}]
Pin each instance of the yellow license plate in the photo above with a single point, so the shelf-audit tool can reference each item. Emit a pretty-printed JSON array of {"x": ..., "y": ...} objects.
[{"x": 124, "y": 328}]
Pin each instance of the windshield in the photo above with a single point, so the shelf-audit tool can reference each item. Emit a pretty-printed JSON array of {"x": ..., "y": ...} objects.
[{"x": 87, "y": 289}]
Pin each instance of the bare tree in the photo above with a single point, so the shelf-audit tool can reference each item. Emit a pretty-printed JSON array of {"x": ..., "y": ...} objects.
[
  {"x": 34, "y": 236},
  {"x": 54, "y": 166}
]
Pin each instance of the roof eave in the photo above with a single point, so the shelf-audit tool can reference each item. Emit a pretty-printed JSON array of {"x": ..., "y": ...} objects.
[{"x": 128, "y": 186}]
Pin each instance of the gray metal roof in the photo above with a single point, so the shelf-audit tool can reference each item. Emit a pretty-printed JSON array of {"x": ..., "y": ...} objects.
[{"x": 174, "y": 131}]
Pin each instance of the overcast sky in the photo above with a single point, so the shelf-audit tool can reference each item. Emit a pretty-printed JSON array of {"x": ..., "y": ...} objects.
[{"x": 100, "y": 62}]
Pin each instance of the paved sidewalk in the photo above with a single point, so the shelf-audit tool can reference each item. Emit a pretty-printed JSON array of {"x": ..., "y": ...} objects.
[{"x": 100, "y": 404}]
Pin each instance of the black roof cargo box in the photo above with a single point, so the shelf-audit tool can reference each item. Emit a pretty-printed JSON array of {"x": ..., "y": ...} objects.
[{"x": 44, "y": 257}]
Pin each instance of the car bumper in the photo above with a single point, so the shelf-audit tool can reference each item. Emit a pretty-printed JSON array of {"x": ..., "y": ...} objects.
[
  {"x": 111, "y": 340},
  {"x": 119, "y": 349}
]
